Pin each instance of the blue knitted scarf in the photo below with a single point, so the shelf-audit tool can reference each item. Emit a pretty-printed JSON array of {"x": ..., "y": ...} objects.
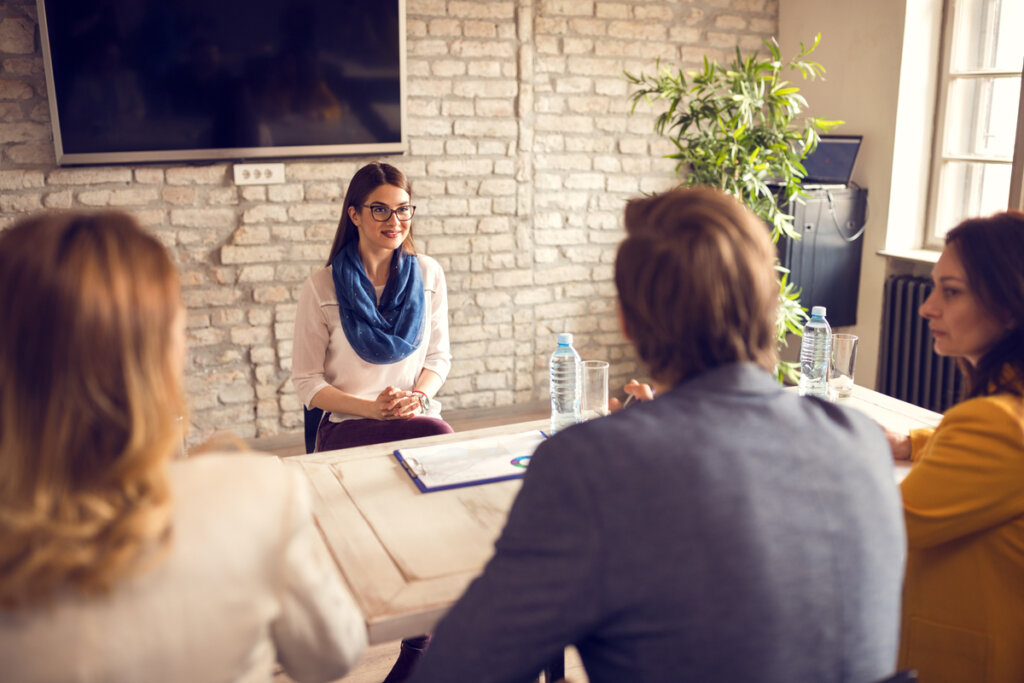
[{"x": 391, "y": 330}]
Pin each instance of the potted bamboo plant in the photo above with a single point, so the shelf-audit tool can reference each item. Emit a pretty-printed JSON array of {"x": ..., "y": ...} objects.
[{"x": 739, "y": 127}]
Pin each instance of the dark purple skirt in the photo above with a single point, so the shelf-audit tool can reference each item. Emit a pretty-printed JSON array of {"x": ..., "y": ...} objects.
[{"x": 333, "y": 435}]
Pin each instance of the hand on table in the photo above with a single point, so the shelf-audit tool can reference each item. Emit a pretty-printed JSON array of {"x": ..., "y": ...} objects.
[
  {"x": 899, "y": 443},
  {"x": 639, "y": 392}
]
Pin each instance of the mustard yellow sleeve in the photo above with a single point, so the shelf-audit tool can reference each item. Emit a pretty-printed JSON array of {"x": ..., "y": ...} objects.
[
  {"x": 969, "y": 475},
  {"x": 918, "y": 439}
]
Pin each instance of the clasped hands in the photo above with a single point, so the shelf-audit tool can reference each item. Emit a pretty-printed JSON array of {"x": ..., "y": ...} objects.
[{"x": 396, "y": 404}]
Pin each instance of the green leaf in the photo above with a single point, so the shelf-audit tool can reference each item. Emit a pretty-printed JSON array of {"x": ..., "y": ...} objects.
[
  {"x": 826, "y": 124},
  {"x": 736, "y": 126}
]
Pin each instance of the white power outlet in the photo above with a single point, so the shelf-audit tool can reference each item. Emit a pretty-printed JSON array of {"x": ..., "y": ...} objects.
[{"x": 259, "y": 174}]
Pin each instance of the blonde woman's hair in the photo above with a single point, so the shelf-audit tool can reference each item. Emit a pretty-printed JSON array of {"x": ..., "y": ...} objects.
[{"x": 90, "y": 394}]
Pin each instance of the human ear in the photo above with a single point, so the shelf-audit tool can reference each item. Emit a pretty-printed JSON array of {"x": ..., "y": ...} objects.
[{"x": 353, "y": 215}]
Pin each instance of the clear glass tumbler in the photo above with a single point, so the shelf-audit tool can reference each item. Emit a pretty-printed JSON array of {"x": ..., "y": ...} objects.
[{"x": 595, "y": 389}]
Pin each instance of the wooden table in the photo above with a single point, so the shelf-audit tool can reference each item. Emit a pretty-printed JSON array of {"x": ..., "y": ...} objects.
[
  {"x": 894, "y": 414},
  {"x": 408, "y": 556}
]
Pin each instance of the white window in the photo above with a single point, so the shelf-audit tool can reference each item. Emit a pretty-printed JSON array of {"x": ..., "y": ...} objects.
[{"x": 979, "y": 92}]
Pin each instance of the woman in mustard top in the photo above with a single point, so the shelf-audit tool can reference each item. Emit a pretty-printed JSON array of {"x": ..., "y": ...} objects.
[{"x": 963, "y": 599}]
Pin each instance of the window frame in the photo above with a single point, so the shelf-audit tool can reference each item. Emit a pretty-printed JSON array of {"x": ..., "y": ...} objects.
[
  {"x": 947, "y": 76},
  {"x": 1017, "y": 170}
]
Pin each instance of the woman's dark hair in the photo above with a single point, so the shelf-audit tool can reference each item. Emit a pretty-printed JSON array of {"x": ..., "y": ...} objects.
[
  {"x": 991, "y": 250},
  {"x": 366, "y": 180}
]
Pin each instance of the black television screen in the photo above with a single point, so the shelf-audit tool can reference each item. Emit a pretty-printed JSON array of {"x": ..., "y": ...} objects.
[{"x": 153, "y": 80}]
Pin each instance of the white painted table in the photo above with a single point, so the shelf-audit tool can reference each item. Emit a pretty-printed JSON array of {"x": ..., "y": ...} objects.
[
  {"x": 407, "y": 556},
  {"x": 892, "y": 413}
]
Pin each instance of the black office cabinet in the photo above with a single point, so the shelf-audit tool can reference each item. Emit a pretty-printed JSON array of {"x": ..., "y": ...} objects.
[{"x": 825, "y": 263}]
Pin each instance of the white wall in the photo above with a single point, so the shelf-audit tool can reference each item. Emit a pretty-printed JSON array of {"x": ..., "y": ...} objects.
[{"x": 865, "y": 48}]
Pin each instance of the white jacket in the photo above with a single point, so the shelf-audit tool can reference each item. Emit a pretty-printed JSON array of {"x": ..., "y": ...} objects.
[{"x": 247, "y": 580}]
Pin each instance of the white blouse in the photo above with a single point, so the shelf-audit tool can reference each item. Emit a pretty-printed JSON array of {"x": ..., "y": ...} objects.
[
  {"x": 322, "y": 355},
  {"x": 247, "y": 581}
]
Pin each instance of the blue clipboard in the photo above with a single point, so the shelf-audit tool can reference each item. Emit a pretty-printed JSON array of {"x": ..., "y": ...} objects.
[{"x": 472, "y": 462}]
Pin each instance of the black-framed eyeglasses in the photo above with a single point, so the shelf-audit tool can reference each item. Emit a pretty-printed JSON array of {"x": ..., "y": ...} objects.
[{"x": 382, "y": 213}]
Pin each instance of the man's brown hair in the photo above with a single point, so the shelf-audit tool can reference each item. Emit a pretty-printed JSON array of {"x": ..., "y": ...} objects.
[{"x": 696, "y": 282}]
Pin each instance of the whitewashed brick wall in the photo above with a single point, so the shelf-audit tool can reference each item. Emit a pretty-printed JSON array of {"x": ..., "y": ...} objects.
[{"x": 521, "y": 153}]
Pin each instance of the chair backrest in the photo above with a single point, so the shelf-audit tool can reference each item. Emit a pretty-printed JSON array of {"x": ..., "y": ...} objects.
[
  {"x": 311, "y": 421},
  {"x": 905, "y": 676}
]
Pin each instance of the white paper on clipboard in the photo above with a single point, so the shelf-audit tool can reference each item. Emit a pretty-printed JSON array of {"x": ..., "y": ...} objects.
[{"x": 476, "y": 461}]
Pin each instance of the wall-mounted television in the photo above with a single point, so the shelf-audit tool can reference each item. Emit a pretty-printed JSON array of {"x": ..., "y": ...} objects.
[{"x": 134, "y": 81}]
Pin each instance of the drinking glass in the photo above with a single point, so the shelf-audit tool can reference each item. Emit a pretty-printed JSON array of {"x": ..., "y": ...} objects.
[
  {"x": 844, "y": 356},
  {"x": 594, "y": 401}
]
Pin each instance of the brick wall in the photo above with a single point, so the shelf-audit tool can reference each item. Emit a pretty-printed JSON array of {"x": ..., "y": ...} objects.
[{"x": 521, "y": 154}]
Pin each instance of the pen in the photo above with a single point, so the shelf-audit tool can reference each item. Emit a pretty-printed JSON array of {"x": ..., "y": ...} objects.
[{"x": 629, "y": 399}]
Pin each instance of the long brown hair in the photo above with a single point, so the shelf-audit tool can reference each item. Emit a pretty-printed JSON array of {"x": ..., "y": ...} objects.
[
  {"x": 991, "y": 250},
  {"x": 90, "y": 396},
  {"x": 696, "y": 283},
  {"x": 366, "y": 180}
]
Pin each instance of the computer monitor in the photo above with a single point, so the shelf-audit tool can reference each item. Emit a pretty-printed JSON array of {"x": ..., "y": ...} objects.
[{"x": 831, "y": 163}]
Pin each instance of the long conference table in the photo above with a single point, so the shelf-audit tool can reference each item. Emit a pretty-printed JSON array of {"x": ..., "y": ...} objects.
[{"x": 407, "y": 556}]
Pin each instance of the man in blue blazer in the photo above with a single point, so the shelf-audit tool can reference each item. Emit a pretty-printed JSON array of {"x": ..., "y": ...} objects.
[{"x": 726, "y": 530}]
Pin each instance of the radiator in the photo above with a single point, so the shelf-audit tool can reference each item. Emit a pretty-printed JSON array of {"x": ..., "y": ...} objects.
[{"x": 908, "y": 368}]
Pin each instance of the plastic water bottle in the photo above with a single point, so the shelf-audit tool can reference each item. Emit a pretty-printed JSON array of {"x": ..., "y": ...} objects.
[
  {"x": 566, "y": 384},
  {"x": 815, "y": 355}
]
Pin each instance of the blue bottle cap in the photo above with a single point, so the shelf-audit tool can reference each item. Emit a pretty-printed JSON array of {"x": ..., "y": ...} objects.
[
  {"x": 565, "y": 338},
  {"x": 818, "y": 312}
]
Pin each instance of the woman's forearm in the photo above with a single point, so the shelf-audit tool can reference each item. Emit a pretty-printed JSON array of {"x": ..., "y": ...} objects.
[
  {"x": 429, "y": 382},
  {"x": 390, "y": 404},
  {"x": 334, "y": 400}
]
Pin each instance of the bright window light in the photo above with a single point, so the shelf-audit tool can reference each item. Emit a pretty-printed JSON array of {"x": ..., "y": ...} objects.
[{"x": 979, "y": 90}]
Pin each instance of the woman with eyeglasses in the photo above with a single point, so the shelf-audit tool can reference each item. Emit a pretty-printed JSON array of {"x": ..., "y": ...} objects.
[
  {"x": 371, "y": 329},
  {"x": 371, "y": 332}
]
